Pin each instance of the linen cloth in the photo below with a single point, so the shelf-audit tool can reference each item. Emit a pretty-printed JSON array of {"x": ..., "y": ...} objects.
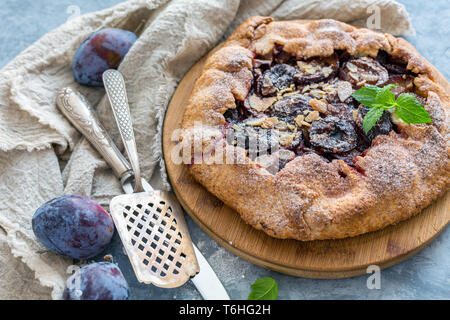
[{"x": 42, "y": 156}]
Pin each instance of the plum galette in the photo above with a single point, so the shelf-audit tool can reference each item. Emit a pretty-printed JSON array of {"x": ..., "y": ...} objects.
[{"x": 342, "y": 130}]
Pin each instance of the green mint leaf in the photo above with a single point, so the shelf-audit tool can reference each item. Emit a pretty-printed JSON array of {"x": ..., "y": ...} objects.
[
  {"x": 371, "y": 118},
  {"x": 367, "y": 95},
  {"x": 385, "y": 97},
  {"x": 264, "y": 289},
  {"x": 407, "y": 108},
  {"x": 410, "y": 110}
]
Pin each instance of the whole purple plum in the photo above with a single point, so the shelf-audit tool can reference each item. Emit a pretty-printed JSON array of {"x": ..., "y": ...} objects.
[
  {"x": 73, "y": 226},
  {"x": 97, "y": 281},
  {"x": 103, "y": 50}
]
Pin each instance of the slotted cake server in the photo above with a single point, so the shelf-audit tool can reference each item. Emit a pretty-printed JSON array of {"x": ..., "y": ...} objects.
[
  {"x": 150, "y": 218},
  {"x": 151, "y": 226}
]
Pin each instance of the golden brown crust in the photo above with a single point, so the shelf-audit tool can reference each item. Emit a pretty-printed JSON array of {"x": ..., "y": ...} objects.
[{"x": 398, "y": 176}]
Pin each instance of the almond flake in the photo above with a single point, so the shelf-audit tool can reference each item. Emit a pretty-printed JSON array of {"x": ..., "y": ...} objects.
[
  {"x": 291, "y": 127},
  {"x": 344, "y": 90},
  {"x": 396, "y": 120},
  {"x": 299, "y": 119},
  {"x": 306, "y": 124},
  {"x": 281, "y": 125},
  {"x": 291, "y": 93},
  {"x": 312, "y": 116},
  {"x": 316, "y": 93},
  {"x": 255, "y": 122},
  {"x": 260, "y": 104},
  {"x": 355, "y": 115},
  {"x": 269, "y": 122},
  {"x": 319, "y": 105},
  {"x": 286, "y": 139},
  {"x": 354, "y": 76},
  {"x": 361, "y": 83},
  {"x": 308, "y": 68},
  {"x": 327, "y": 71},
  {"x": 369, "y": 77},
  {"x": 291, "y": 87},
  {"x": 351, "y": 67},
  {"x": 329, "y": 88}
]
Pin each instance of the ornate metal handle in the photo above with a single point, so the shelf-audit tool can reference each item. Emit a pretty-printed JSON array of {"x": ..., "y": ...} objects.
[
  {"x": 117, "y": 95},
  {"x": 78, "y": 111}
]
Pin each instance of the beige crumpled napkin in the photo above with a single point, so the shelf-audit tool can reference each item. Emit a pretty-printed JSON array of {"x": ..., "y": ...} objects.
[{"x": 42, "y": 155}]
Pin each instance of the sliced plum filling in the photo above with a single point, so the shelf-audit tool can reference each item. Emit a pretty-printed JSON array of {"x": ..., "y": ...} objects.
[{"x": 296, "y": 107}]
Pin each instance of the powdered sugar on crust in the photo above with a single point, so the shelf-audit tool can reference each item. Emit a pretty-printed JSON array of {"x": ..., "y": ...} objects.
[{"x": 398, "y": 176}]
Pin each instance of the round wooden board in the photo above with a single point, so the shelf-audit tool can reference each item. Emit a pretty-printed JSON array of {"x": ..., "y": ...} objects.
[{"x": 313, "y": 259}]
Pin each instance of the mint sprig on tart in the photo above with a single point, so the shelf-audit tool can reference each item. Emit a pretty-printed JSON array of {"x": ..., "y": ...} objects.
[{"x": 406, "y": 106}]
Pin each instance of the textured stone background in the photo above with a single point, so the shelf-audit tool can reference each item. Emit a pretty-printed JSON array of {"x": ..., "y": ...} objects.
[{"x": 424, "y": 276}]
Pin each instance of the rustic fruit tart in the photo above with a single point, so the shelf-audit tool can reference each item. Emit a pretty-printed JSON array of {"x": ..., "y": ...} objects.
[{"x": 341, "y": 130}]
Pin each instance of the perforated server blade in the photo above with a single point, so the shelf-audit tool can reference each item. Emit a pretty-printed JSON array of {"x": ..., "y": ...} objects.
[
  {"x": 150, "y": 223},
  {"x": 155, "y": 237}
]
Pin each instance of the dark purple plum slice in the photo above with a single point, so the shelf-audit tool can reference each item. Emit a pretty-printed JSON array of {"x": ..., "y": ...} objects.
[
  {"x": 332, "y": 135},
  {"x": 289, "y": 107},
  {"x": 316, "y": 69},
  {"x": 364, "y": 70},
  {"x": 341, "y": 110},
  {"x": 278, "y": 77}
]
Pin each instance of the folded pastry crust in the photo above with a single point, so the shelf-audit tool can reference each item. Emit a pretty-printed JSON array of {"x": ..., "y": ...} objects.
[{"x": 310, "y": 198}]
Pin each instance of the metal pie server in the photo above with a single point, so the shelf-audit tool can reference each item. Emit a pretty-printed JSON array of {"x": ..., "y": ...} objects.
[
  {"x": 150, "y": 223},
  {"x": 78, "y": 111}
]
